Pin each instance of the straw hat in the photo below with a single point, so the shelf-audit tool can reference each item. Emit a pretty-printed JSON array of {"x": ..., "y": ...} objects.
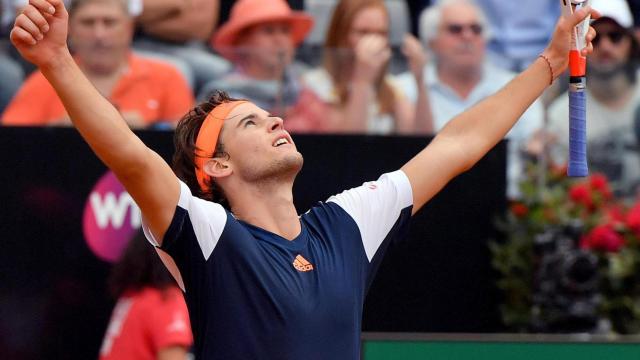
[{"x": 246, "y": 13}]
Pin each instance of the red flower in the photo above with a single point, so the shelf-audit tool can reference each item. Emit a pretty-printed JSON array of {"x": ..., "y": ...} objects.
[
  {"x": 614, "y": 214},
  {"x": 603, "y": 238},
  {"x": 520, "y": 210},
  {"x": 580, "y": 194},
  {"x": 599, "y": 183},
  {"x": 633, "y": 219}
]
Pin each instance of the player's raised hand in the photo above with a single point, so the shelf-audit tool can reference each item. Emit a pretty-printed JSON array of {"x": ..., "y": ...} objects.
[
  {"x": 558, "y": 49},
  {"x": 40, "y": 32}
]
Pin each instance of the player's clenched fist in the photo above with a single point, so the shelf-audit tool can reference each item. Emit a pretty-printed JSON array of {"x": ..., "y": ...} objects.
[{"x": 40, "y": 31}]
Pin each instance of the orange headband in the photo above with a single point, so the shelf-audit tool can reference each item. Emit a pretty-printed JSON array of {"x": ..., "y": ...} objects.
[{"x": 207, "y": 139}]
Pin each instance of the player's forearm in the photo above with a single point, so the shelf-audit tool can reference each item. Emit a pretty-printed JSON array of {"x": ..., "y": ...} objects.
[
  {"x": 481, "y": 127},
  {"x": 99, "y": 123}
]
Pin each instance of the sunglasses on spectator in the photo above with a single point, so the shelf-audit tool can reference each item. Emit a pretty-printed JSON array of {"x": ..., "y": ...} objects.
[
  {"x": 615, "y": 37},
  {"x": 458, "y": 29}
]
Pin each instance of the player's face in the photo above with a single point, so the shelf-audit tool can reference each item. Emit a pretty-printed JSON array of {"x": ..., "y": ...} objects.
[
  {"x": 612, "y": 46},
  {"x": 368, "y": 21},
  {"x": 460, "y": 41},
  {"x": 100, "y": 33},
  {"x": 259, "y": 148}
]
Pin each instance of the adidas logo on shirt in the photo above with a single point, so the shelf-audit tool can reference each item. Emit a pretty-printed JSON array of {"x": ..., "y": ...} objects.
[{"x": 301, "y": 264}]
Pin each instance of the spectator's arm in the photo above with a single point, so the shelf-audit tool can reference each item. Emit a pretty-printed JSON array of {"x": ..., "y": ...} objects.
[
  {"x": 352, "y": 117},
  {"x": 423, "y": 115},
  {"x": 155, "y": 10},
  {"x": 173, "y": 353},
  {"x": 418, "y": 119},
  {"x": 196, "y": 21},
  {"x": 404, "y": 114}
]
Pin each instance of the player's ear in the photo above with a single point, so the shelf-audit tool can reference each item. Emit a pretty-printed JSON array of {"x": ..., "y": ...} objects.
[{"x": 218, "y": 167}]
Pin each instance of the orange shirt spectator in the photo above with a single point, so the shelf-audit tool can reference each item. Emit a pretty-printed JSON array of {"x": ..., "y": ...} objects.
[{"x": 148, "y": 92}]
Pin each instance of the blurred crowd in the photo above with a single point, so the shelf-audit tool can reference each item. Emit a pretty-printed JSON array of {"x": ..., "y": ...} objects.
[{"x": 341, "y": 66}]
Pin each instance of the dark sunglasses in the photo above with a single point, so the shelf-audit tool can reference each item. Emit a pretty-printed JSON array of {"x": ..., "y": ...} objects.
[
  {"x": 458, "y": 29},
  {"x": 614, "y": 36}
]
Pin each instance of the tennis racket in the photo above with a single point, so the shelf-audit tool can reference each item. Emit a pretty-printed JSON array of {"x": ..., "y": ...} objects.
[{"x": 577, "y": 166}]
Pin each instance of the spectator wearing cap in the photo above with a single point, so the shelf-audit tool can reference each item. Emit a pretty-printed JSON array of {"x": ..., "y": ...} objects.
[
  {"x": 226, "y": 5},
  {"x": 147, "y": 92},
  {"x": 260, "y": 39},
  {"x": 613, "y": 97},
  {"x": 456, "y": 33}
]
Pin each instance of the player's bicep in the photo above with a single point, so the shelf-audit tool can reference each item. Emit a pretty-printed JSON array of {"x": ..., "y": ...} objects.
[
  {"x": 432, "y": 168},
  {"x": 156, "y": 190}
]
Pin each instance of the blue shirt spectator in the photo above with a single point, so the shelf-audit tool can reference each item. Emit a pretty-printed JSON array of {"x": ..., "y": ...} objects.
[
  {"x": 455, "y": 32},
  {"x": 521, "y": 30}
]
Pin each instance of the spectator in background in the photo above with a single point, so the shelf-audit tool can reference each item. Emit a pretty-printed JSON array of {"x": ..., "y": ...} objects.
[
  {"x": 260, "y": 39},
  {"x": 521, "y": 30},
  {"x": 150, "y": 319},
  {"x": 613, "y": 100},
  {"x": 178, "y": 31},
  {"x": 354, "y": 83},
  {"x": 145, "y": 91},
  {"x": 11, "y": 74},
  {"x": 456, "y": 33}
]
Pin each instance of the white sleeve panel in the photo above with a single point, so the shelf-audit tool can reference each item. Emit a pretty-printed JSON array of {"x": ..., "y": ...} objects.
[
  {"x": 207, "y": 218},
  {"x": 375, "y": 207}
]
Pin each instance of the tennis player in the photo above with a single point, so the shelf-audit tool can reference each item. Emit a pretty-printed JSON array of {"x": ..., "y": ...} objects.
[{"x": 261, "y": 281}]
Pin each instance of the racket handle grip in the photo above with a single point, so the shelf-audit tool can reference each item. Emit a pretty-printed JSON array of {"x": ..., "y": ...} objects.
[{"x": 577, "y": 133}]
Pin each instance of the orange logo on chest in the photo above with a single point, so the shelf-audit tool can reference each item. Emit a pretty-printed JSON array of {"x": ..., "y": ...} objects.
[{"x": 301, "y": 264}]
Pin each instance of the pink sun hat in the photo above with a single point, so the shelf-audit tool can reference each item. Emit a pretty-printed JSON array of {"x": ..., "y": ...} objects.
[{"x": 246, "y": 13}]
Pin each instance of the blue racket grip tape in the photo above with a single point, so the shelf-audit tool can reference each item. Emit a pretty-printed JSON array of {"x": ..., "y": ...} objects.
[{"x": 577, "y": 134}]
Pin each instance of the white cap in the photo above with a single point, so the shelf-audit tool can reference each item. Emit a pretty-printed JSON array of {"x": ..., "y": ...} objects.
[{"x": 616, "y": 10}]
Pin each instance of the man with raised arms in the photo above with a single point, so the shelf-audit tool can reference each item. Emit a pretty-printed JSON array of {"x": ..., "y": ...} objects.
[{"x": 261, "y": 281}]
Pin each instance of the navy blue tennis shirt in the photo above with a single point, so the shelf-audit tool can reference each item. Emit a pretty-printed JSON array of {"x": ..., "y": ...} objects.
[{"x": 252, "y": 294}]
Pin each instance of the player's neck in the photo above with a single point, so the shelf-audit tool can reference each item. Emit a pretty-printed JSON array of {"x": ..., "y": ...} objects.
[{"x": 268, "y": 206}]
